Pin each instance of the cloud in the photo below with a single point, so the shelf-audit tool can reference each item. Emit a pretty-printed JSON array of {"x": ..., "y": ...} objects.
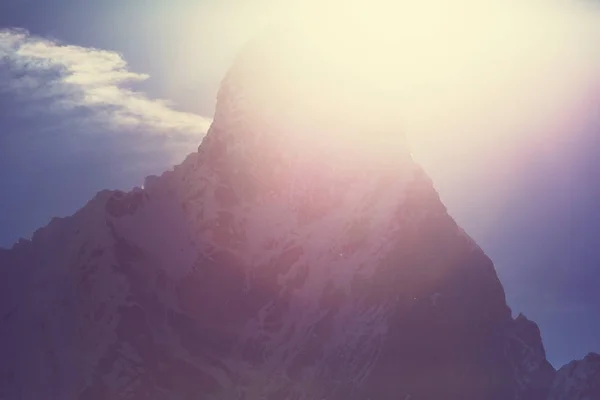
[{"x": 92, "y": 82}]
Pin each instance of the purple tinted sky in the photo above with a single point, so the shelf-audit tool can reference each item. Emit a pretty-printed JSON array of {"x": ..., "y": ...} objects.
[{"x": 545, "y": 241}]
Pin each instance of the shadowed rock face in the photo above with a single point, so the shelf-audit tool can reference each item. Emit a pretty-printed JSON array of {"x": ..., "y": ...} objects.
[
  {"x": 578, "y": 380},
  {"x": 260, "y": 269}
]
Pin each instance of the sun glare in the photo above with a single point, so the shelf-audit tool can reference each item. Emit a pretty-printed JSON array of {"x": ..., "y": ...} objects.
[
  {"x": 464, "y": 80},
  {"x": 492, "y": 69}
]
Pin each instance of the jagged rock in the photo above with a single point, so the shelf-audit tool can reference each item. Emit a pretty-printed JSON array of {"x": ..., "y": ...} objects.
[{"x": 578, "y": 380}]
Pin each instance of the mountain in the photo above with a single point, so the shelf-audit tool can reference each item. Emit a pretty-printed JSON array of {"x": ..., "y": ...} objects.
[
  {"x": 296, "y": 255},
  {"x": 578, "y": 380}
]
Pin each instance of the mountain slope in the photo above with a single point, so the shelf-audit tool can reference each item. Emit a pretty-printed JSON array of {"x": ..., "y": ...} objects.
[
  {"x": 578, "y": 380},
  {"x": 279, "y": 261}
]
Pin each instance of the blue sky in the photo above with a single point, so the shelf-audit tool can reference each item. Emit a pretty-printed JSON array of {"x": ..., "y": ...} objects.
[{"x": 99, "y": 94}]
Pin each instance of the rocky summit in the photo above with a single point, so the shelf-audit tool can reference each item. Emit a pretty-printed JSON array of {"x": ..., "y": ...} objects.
[{"x": 280, "y": 261}]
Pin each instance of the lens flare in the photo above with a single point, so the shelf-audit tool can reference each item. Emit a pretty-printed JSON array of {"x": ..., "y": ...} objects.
[
  {"x": 470, "y": 82},
  {"x": 459, "y": 76}
]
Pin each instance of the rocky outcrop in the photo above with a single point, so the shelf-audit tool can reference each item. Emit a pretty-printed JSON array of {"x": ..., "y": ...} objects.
[
  {"x": 532, "y": 373},
  {"x": 578, "y": 380}
]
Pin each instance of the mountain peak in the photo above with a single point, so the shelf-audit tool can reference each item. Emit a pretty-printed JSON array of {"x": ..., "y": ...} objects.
[
  {"x": 299, "y": 254},
  {"x": 592, "y": 357},
  {"x": 285, "y": 87}
]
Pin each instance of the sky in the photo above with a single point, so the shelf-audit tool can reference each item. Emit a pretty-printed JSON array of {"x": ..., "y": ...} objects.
[{"x": 97, "y": 95}]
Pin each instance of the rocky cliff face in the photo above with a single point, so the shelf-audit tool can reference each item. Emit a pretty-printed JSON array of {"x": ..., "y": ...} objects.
[
  {"x": 274, "y": 263},
  {"x": 578, "y": 380}
]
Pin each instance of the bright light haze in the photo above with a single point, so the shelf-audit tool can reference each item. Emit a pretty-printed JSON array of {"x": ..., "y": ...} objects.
[{"x": 500, "y": 102}]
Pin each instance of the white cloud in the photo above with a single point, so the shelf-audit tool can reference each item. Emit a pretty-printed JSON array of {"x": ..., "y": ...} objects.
[{"x": 71, "y": 77}]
